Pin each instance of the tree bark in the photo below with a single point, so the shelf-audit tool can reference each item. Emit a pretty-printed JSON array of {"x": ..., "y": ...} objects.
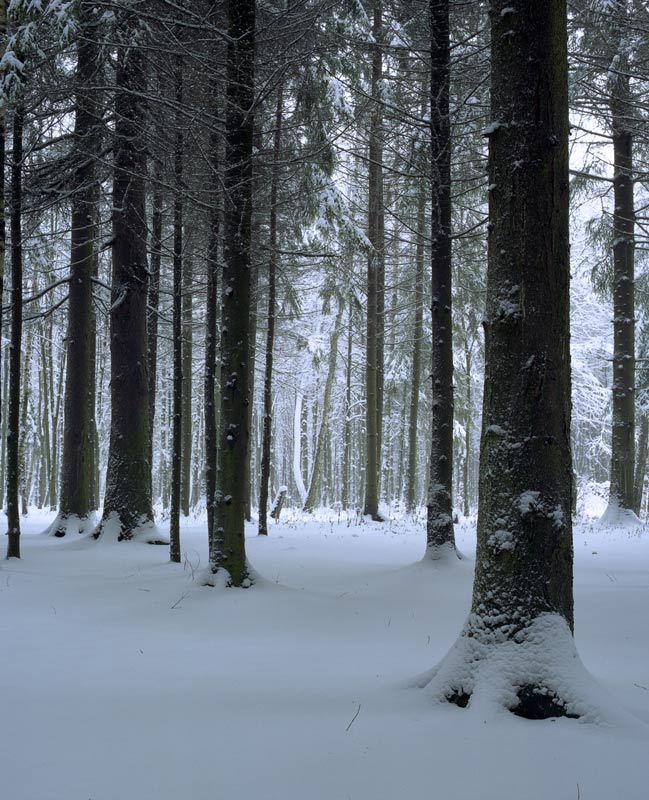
[
  {"x": 77, "y": 472},
  {"x": 13, "y": 414},
  {"x": 439, "y": 525},
  {"x": 623, "y": 421},
  {"x": 375, "y": 269},
  {"x": 127, "y": 501},
  {"x": 177, "y": 477},
  {"x": 270, "y": 330},
  {"x": 227, "y": 550},
  {"x": 153, "y": 306}
]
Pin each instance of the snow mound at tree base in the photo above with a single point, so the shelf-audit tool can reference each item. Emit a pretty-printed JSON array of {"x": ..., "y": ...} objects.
[
  {"x": 115, "y": 529},
  {"x": 617, "y": 517},
  {"x": 535, "y": 673},
  {"x": 65, "y": 525}
]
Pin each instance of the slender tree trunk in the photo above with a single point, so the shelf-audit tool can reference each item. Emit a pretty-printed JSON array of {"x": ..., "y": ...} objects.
[
  {"x": 153, "y": 306},
  {"x": 375, "y": 271},
  {"x": 467, "y": 431},
  {"x": 187, "y": 355},
  {"x": 418, "y": 333},
  {"x": 177, "y": 482},
  {"x": 347, "y": 429},
  {"x": 13, "y": 415},
  {"x": 623, "y": 422},
  {"x": 439, "y": 527},
  {"x": 227, "y": 550},
  {"x": 127, "y": 501},
  {"x": 318, "y": 457},
  {"x": 3, "y": 235},
  {"x": 270, "y": 331},
  {"x": 641, "y": 464}
]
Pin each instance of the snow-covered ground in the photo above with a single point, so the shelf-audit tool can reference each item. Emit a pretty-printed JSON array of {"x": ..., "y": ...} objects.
[{"x": 122, "y": 678}]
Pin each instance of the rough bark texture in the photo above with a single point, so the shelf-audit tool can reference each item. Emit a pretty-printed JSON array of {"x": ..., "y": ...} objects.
[
  {"x": 270, "y": 330},
  {"x": 177, "y": 482},
  {"x": 187, "y": 335},
  {"x": 77, "y": 473},
  {"x": 439, "y": 527},
  {"x": 623, "y": 421},
  {"x": 227, "y": 548},
  {"x": 347, "y": 430},
  {"x": 3, "y": 111},
  {"x": 13, "y": 415},
  {"x": 127, "y": 501},
  {"x": 524, "y": 556},
  {"x": 640, "y": 464},
  {"x": 374, "y": 348}
]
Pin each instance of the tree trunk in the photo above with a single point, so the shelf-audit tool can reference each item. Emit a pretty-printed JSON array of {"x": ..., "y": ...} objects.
[
  {"x": 127, "y": 501},
  {"x": 641, "y": 464},
  {"x": 13, "y": 414},
  {"x": 77, "y": 472},
  {"x": 270, "y": 331},
  {"x": 152, "y": 307},
  {"x": 177, "y": 477},
  {"x": 347, "y": 430},
  {"x": 314, "y": 484},
  {"x": 439, "y": 525},
  {"x": 187, "y": 355},
  {"x": 418, "y": 332},
  {"x": 227, "y": 548},
  {"x": 375, "y": 271},
  {"x": 623, "y": 421},
  {"x": 522, "y": 609}
]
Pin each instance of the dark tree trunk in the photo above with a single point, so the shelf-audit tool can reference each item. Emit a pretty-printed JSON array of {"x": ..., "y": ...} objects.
[
  {"x": 522, "y": 610},
  {"x": 127, "y": 501},
  {"x": 13, "y": 415},
  {"x": 77, "y": 471},
  {"x": 270, "y": 331},
  {"x": 177, "y": 483},
  {"x": 3, "y": 110},
  {"x": 227, "y": 548},
  {"x": 375, "y": 271},
  {"x": 187, "y": 391},
  {"x": 623, "y": 421},
  {"x": 439, "y": 527}
]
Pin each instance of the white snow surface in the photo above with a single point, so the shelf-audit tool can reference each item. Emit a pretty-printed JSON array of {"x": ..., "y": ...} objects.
[{"x": 123, "y": 678}]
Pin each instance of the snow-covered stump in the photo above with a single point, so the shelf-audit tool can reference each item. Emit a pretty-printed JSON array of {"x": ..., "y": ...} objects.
[
  {"x": 71, "y": 524},
  {"x": 278, "y": 502}
]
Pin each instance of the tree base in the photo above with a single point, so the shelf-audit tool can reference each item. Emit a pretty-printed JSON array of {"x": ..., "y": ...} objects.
[
  {"x": 616, "y": 516},
  {"x": 221, "y": 578},
  {"x": 69, "y": 525},
  {"x": 115, "y": 529},
  {"x": 534, "y": 673}
]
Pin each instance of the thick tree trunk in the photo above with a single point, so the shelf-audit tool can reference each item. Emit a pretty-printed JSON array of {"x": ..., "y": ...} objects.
[
  {"x": 13, "y": 414},
  {"x": 516, "y": 647},
  {"x": 439, "y": 526},
  {"x": 77, "y": 470},
  {"x": 227, "y": 548},
  {"x": 270, "y": 330},
  {"x": 623, "y": 421},
  {"x": 375, "y": 271},
  {"x": 127, "y": 501}
]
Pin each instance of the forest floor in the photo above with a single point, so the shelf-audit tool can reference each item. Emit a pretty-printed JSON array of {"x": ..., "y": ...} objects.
[{"x": 122, "y": 678}]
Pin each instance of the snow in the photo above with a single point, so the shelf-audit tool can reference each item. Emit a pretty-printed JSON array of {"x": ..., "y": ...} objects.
[{"x": 124, "y": 678}]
